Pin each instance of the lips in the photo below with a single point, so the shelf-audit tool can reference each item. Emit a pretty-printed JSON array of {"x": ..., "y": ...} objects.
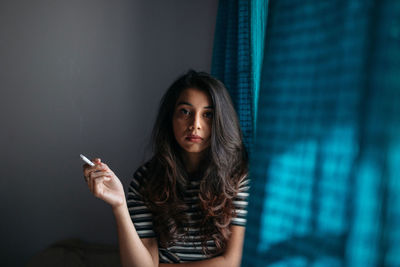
[{"x": 194, "y": 138}]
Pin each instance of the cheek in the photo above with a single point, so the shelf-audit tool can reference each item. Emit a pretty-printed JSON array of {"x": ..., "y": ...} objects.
[
  {"x": 178, "y": 126},
  {"x": 208, "y": 130}
]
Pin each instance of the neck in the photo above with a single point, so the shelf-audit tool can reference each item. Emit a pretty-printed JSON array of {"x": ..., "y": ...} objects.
[{"x": 192, "y": 161}]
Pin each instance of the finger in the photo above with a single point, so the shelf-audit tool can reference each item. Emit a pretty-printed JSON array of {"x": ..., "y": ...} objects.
[
  {"x": 94, "y": 175},
  {"x": 86, "y": 172},
  {"x": 93, "y": 160},
  {"x": 107, "y": 168},
  {"x": 86, "y": 169},
  {"x": 96, "y": 161},
  {"x": 104, "y": 166},
  {"x": 101, "y": 179},
  {"x": 93, "y": 169},
  {"x": 92, "y": 182},
  {"x": 99, "y": 167},
  {"x": 97, "y": 185}
]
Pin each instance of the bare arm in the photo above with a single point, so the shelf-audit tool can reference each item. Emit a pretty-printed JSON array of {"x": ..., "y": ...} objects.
[
  {"x": 133, "y": 250},
  {"x": 104, "y": 184},
  {"x": 231, "y": 257}
]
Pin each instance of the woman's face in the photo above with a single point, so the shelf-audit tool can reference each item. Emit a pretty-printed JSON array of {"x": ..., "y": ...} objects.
[{"x": 192, "y": 120}]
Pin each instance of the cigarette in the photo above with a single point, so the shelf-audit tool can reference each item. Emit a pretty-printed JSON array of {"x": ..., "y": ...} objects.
[{"x": 85, "y": 159}]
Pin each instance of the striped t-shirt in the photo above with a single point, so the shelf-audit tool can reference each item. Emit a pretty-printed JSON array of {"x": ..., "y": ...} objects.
[{"x": 190, "y": 249}]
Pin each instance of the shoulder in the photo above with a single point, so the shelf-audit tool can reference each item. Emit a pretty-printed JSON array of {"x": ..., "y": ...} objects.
[
  {"x": 142, "y": 170},
  {"x": 140, "y": 175}
]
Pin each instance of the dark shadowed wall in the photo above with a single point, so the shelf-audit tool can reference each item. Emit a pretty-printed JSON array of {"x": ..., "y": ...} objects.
[{"x": 83, "y": 77}]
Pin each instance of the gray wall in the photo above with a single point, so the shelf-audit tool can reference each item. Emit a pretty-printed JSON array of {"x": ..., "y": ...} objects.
[{"x": 83, "y": 77}]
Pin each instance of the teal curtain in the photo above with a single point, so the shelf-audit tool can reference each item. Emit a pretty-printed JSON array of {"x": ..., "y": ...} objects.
[
  {"x": 238, "y": 55},
  {"x": 325, "y": 166}
]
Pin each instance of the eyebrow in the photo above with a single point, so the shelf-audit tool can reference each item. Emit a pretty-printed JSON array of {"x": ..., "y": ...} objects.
[{"x": 186, "y": 103}]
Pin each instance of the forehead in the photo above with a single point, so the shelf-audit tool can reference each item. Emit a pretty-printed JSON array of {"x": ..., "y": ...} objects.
[{"x": 195, "y": 97}]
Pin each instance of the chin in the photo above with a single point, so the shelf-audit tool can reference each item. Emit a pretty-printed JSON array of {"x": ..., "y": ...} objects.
[
  {"x": 193, "y": 149},
  {"x": 188, "y": 150}
]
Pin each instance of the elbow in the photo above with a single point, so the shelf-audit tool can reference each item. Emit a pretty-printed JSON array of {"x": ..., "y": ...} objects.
[{"x": 232, "y": 260}]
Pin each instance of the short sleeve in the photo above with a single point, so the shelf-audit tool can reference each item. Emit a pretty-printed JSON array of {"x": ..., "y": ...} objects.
[
  {"x": 141, "y": 216},
  {"x": 240, "y": 203}
]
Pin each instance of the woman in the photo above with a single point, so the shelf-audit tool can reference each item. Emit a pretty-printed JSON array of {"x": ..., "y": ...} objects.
[{"x": 187, "y": 205}]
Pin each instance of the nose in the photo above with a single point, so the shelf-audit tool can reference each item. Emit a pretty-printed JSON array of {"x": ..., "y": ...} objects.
[{"x": 196, "y": 122}]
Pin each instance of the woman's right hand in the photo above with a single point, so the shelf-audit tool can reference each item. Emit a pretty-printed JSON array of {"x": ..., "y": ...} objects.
[{"x": 104, "y": 184}]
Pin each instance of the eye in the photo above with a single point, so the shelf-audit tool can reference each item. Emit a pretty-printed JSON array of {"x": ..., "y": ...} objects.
[
  {"x": 184, "y": 111},
  {"x": 208, "y": 114}
]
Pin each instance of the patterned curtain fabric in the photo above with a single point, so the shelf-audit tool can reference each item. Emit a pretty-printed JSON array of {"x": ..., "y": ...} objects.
[
  {"x": 326, "y": 162},
  {"x": 238, "y": 54}
]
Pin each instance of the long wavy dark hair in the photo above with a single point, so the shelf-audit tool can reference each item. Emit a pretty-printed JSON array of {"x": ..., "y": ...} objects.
[{"x": 223, "y": 167}]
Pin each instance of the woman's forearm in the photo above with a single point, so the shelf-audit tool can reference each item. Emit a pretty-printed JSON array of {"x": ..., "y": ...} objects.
[{"x": 132, "y": 250}]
